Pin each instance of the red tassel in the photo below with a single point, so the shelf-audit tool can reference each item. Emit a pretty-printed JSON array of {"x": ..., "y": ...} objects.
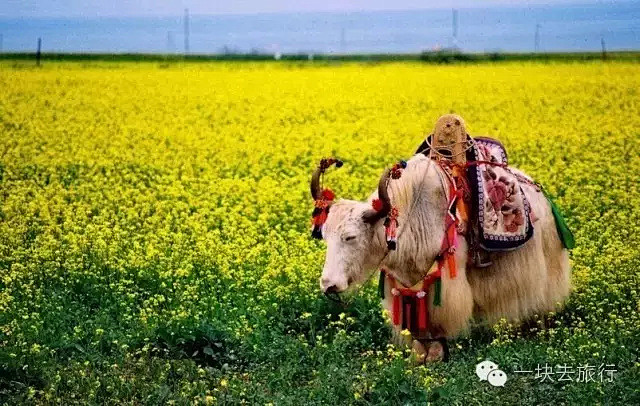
[
  {"x": 407, "y": 314},
  {"x": 393, "y": 224},
  {"x": 395, "y": 311},
  {"x": 449, "y": 246},
  {"x": 452, "y": 236},
  {"x": 422, "y": 310},
  {"x": 320, "y": 218},
  {"x": 451, "y": 262}
]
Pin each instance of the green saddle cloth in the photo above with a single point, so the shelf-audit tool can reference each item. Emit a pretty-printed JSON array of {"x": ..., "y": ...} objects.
[{"x": 566, "y": 236}]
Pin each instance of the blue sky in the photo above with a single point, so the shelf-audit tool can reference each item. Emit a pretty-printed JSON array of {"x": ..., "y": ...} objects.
[{"x": 98, "y": 8}]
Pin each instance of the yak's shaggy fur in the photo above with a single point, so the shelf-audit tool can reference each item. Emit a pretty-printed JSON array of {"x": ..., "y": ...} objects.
[{"x": 519, "y": 283}]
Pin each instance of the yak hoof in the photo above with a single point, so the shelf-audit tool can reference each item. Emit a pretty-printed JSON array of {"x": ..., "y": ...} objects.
[
  {"x": 419, "y": 353},
  {"x": 435, "y": 352}
]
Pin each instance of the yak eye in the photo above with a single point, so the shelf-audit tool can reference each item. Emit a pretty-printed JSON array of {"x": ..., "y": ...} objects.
[{"x": 350, "y": 238}]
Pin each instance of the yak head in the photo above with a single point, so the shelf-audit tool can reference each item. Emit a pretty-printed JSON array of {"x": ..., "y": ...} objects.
[{"x": 350, "y": 234}]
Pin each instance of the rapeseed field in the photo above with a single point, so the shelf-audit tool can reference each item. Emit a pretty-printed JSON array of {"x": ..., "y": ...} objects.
[{"x": 155, "y": 231}]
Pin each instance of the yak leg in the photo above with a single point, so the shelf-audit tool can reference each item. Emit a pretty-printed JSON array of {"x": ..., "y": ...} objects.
[
  {"x": 418, "y": 351},
  {"x": 455, "y": 310}
]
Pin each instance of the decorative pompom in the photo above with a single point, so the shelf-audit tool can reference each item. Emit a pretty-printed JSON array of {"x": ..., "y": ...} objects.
[
  {"x": 377, "y": 204},
  {"x": 327, "y": 194},
  {"x": 325, "y": 163},
  {"x": 396, "y": 170},
  {"x": 391, "y": 245}
]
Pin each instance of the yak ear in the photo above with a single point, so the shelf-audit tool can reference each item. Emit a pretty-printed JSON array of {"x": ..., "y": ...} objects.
[{"x": 371, "y": 217}]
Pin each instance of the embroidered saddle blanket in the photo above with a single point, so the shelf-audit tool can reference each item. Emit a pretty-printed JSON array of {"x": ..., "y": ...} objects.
[{"x": 500, "y": 212}]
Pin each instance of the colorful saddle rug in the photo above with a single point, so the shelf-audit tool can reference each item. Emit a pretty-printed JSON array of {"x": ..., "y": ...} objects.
[
  {"x": 500, "y": 212},
  {"x": 501, "y": 209}
]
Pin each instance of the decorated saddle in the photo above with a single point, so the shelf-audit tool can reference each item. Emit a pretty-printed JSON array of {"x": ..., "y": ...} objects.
[
  {"x": 501, "y": 209},
  {"x": 500, "y": 215},
  {"x": 501, "y": 218}
]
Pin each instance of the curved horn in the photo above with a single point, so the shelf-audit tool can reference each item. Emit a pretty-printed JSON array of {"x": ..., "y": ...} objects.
[
  {"x": 315, "y": 182},
  {"x": 325, "y": 163},
  {"x": 372, "y": 216}
]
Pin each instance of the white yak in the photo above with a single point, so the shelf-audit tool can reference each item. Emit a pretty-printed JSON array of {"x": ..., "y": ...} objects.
[{"x": 534, "y": 278}]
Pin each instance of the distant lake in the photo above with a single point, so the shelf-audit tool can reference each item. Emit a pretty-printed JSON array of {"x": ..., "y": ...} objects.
[{"x": 507, "y": 28}]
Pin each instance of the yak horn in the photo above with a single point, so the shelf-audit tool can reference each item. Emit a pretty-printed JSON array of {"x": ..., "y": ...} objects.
[
  {"x": 372, "y": 216},
  {"x": 315, "y": 183},
  {"x": 325, "y": 163}
]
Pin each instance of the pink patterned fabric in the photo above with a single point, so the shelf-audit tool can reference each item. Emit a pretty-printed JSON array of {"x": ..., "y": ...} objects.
[{"x": 502, "y": 208}]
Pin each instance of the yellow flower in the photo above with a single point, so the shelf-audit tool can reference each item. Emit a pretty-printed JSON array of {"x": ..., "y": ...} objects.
[{"x": 139, "y": 204}]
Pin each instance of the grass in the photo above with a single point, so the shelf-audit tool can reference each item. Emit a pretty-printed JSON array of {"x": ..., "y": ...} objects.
[
  {"x": 433, "y": 57},
  {"x": 154, "y": 230}
]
